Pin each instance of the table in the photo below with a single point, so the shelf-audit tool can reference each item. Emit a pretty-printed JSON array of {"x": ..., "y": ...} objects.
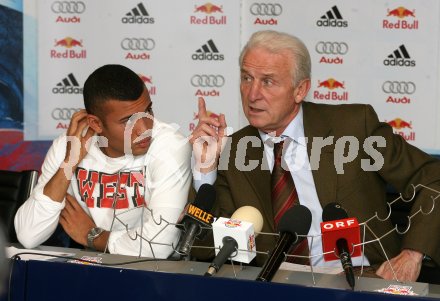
[{"x": 177, "y": 280}]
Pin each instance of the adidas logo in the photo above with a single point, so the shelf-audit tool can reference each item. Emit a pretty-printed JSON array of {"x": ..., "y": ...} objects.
[
  {"x": 138, "y": 15},
  {"x": 332, "y": 18},
  {"x": 208, "y": 52},
  {"x": 68, "y": 85},
  {"x": 399, "y": 57}
]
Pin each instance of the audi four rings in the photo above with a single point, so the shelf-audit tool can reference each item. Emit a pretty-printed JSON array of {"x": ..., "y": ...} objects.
[
  {"x": 63, "y": 113},
  {"x": 68, "y": 7},
  {"x": 396, "y": 87},
  {"x": 205, "y": 80},
  {"x": 138, "y": 44},
  {"x": 331, "y": 48},
  {"x": 266, "y": 9}
]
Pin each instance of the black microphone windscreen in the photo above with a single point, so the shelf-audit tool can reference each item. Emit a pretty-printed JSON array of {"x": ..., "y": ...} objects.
[
  {"x": 333, "y": 211},
  {"x": 205, "y": 197},
  {"x": 297, "y": 219}
]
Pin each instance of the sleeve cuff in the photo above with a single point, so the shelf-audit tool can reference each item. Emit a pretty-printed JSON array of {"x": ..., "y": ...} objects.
[{"x": 201, "y": 178}]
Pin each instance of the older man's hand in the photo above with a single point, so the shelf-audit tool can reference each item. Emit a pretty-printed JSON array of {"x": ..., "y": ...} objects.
[{"x": 406, "y": 265}]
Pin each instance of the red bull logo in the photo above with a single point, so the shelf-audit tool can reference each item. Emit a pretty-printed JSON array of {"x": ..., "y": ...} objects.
[
  {"x": 70, "y": 53},
  {"x": 192, "y": 125},
  {"x": 401, "y": 13},
  {"x": 148, "y": 81},
  {"x": 68, "y": 42},
  {"x": 208, "y": 8},
  {"x": 233, "y": 223},
  {"x": 209, "y": 113},
  {"x": 397, "y": 290},
  {"x": 399, "y": 124},
  {"x": 251, "y": 242},
  {"x": 331, "y": 84}
]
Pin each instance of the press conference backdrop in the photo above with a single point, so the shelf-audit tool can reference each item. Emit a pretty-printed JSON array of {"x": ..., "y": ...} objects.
[{"x": 379, "y": 52}]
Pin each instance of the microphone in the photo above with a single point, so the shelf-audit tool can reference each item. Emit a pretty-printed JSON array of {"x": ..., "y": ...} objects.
[
  {"x": 337, "y": 230},
  {"x": 196, "y": 216},
  {"x": 296, "y": 221},
  {"x": 236, "y": 233}
]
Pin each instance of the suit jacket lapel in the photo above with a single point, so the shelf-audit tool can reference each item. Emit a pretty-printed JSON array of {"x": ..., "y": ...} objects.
[
  {"x": 260, "y": 178},
  {"x": 316, "y": 125}
]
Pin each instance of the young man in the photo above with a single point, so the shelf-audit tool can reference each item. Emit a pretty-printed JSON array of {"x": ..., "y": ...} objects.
[
  {"x": 275, "y": 79},
  {"x": 116, "y": 179}
]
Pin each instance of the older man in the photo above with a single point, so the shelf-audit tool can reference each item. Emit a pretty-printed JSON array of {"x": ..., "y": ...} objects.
[{"x": 275, "y": 78}]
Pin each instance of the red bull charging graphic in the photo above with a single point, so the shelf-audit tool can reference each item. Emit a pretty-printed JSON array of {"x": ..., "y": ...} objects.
[
  {"x": 148, "y": 81},
  {"x": 401, "y": 18},
  {"x": 74, "y": 49},
  {"x": 192, "y": 125},
  {"x": 331, "y": 90},
  {"x": 403, "y": 128},
  {"x": 208, "y": 14}
]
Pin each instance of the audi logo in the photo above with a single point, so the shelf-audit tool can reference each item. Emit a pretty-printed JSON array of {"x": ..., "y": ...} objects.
[
  {"x": 205, "y": 80},
  {"x": 138, "y": 44},
  {"x": 266, "y": 9},
  {"x": 395, "y": 87},
  {"x": 63, "y": 113},
  {"x": 331, "y": 47},
  {"x": 68, "y": 7}
]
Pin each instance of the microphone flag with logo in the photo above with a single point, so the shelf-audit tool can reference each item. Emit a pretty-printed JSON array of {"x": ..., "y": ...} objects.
[
  {"x": 236, "y": 236},
  {"x": 197, "y": 216},
  {"x": 339, "y": 234}
]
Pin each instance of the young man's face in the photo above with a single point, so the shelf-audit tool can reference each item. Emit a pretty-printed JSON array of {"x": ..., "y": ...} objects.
[{"x": 114, "y": 117}]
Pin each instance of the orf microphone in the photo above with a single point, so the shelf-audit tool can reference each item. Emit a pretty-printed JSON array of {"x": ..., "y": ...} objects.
[
  {"x": 236, "y": 234},
  {"x": 196, "y": 216},
  {"x": 337, "y": 230},
  {"x": 296, "y": 221}
]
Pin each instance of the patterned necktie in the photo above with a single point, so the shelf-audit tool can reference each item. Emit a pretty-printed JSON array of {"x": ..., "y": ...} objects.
[
  {"x": 284, "y": 196},
  {"x": 283, "y": 189}
]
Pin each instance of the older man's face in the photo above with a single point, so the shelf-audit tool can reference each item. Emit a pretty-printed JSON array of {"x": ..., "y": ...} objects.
[{"x": 268, "y": 97}]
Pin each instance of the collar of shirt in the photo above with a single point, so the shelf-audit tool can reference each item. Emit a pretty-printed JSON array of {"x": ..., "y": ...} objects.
[{"x": 295, "y": 131}]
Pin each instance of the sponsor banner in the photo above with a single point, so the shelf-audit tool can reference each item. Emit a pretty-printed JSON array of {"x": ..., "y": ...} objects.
[
  {"x": 176, "y": 68},
  {"x": 381, "y": 53}
]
